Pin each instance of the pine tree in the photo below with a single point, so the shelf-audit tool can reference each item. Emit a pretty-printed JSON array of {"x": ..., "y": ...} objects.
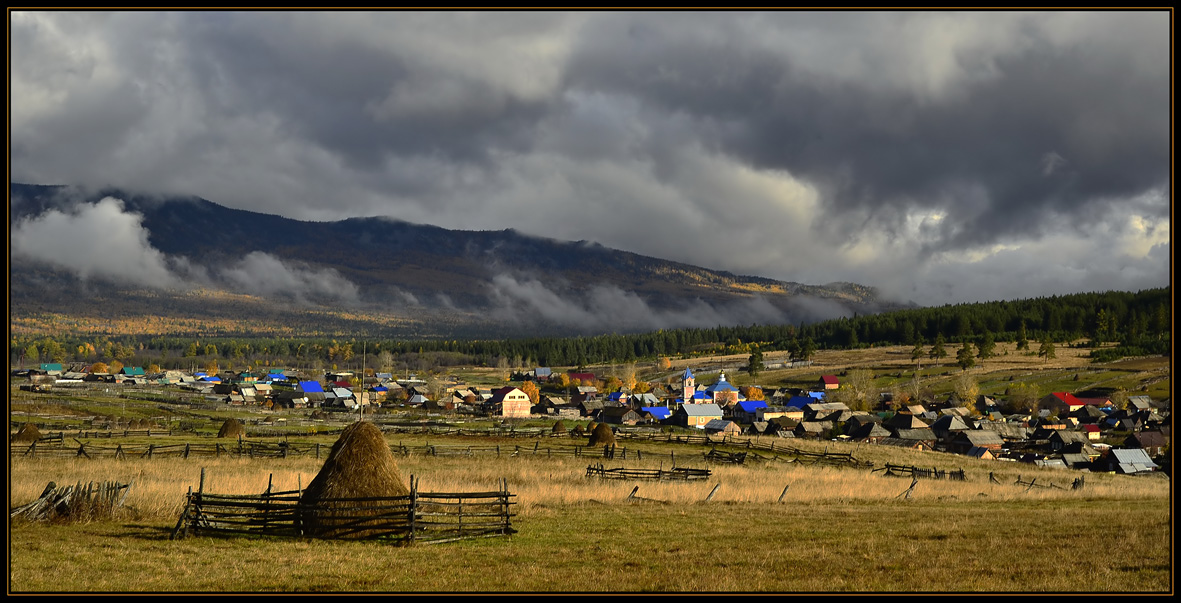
[
  {"x": 986, "y": 347},
  {"x": 965, "y": 359},
  {"x": 755, "y": 362},
  {"x": 937, "y": 351},
  {"x": 1047, "y": 349},
  {"x": 1022, "y": 340}
]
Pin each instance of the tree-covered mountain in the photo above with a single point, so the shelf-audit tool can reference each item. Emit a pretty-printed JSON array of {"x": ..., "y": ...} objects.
[{"x": 393, "y": 266}]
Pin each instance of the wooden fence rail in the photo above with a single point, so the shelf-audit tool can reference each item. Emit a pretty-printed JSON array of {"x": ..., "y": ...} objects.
[
  {"x": 427, "y": 517},
  {"x": 676, "y": 473},
  {"x": 917, "y": 472}
]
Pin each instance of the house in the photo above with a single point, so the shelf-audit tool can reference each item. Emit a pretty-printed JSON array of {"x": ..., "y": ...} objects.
[
  {"x": 510, "y": 402},
  {"x": 811, "y": 429},
  {"x": 1129, "y": 460},
  {"x": 828, "y": 382},
  {"x": 819, "y": 410},
  {"x": 1060, "y": 403},
  {"x": 1139, "y": 403},
  {"x": 948, "y": 426},
  {"x": 774, "y": 412},
  {"x": 905, "y": 421},
  {"x": 964, "y": 441},
  {"x": 621, "y": 415},
  {"x": 1151, "y": 442},
  {"x": 748, "y": 411},
  {"x": 589, "y": 407},
  {"x": 1096, "y": 400},
  {"x": 799, "y": 401},
  {"x": 696, "y": 415},
  {"x": 658, "y": 413},
  {"x": 723, "y": 427},
  {"x": 983, "y": 454},
  {"x": 1094, "y": 433},
  {"x": 583, "y": 378},
  {"x": 925, "y": 437},
  {"x": 1061, "y": 438},
  {"x": 867, "y": 432}
]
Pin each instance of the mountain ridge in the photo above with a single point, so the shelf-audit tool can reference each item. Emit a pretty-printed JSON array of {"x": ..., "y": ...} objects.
[{"x": 385, "y": 257}]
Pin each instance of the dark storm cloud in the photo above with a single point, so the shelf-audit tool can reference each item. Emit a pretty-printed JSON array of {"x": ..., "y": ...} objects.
[
  {"x": 976, "y": 152},
  {"x": 886, "y": 148}
]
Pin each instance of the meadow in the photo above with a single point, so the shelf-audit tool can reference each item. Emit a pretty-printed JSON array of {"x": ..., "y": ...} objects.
[{"x": 835, "y": 529}]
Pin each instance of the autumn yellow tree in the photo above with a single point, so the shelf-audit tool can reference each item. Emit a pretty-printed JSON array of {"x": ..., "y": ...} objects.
[
  {"x": 99, "y": 367},
  {"x": 665, "y": 363},
  {"x": 642, "y": 387},
  {"x": 751, "y": 392},
  {"x": 530, "y": 390},
  {"x": 211, "y": 368},
  {"x": 115, "y": 366}
]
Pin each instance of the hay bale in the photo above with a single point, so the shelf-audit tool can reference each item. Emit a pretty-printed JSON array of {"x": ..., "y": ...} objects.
[
  {"x": 360, "y": 465},
  {"x": 27, "y": 433},
  {"x": 232, "y": 428},
  {"x": 602, "y": 435},
  {"x": 559, "y": 428},
  {"x": 578, "y": 431}
]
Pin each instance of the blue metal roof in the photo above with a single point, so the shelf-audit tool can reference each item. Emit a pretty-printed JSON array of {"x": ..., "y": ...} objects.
[
  {"x": 688, "y": 374},
  {"x": 660, "y": 412},
  {"x": 799, "y": 401},
  {"x": 751, "y": 405},
  {"x": 311, "y": 386}
]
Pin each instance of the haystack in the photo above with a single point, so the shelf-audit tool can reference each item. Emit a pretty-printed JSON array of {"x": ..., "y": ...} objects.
[
  {"x": 232, "y": 428},
  {"x": 27, "y": 433},
  {"x": 559, "y": 428},
  {"x": 360, "y": 465},
  {"x": 602, "y": 435},
  {"x": 578, "y": 431}
]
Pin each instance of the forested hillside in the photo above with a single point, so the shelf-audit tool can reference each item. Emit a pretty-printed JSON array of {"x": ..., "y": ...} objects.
[{"x": 1140, "y": 323}]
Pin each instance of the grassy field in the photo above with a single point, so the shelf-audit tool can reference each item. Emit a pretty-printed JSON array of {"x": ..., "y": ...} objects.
[{"x": 835, "y": 530}]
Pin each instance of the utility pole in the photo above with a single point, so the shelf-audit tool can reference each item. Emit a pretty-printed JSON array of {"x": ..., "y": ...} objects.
[{"x": 361, "y": 400}]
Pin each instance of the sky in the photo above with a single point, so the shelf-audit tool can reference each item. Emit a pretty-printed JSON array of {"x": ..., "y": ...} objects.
[{"x": 942, "y": 157}]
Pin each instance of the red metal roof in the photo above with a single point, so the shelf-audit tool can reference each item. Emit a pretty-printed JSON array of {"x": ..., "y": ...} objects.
[
  {"x": 1068, "y": 398},
  {"x": 829, "y": 379}
]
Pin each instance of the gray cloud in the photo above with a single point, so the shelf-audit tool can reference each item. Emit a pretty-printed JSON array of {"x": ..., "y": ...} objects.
[
  {"x": 611, "y": 309},
  {"x": 95, "y": 241},
  {"x": 104, "y": 241},
  {"x": 263, "y": 274},
  {"x": 895, "y": 149}
]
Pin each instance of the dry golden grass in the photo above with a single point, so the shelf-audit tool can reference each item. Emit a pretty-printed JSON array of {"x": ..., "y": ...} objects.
[
  {"x": 542, "y": 482},
  {"x": 583, "y": 534}
]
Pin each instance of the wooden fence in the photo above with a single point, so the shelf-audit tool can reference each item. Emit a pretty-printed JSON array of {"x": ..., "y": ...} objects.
[
  {"x": 917, "y": 472},
  {"x": 426, "y": 517},
  {"x": 676, "y": 473}
]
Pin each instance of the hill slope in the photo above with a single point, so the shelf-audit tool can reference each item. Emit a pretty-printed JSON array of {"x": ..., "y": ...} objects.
[{"x": 499, "y": 280}]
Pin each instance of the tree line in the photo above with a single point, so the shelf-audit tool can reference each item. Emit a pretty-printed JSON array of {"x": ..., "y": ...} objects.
[{"x": 1137, "y": 323}]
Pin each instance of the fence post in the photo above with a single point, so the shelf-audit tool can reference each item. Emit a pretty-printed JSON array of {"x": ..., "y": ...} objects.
[
  {"x": 504, "y": 502},
  {"x": 712, "y": 492},
  {"x": 784, "y": 493},
  {"x": 413, "y": 507}
]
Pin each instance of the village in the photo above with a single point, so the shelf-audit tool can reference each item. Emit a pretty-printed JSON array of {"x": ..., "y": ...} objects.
[{"x": 1065, "y": 430}]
